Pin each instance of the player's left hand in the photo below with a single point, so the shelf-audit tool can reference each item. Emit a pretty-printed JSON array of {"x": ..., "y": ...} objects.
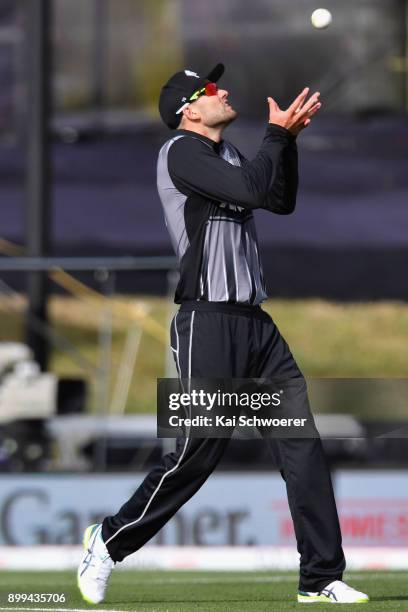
[
  {"x": 299, "y": 113},
  {"x": 305, "y": 112}
]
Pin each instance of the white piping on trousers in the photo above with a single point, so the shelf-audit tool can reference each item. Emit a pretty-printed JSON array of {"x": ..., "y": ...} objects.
[
  {"x": 177, "y": 346},
  {"x": 190, "y": 344},
  {"x": 173, "y": 469}
]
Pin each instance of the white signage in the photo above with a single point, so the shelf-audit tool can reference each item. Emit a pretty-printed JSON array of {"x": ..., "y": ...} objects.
[{"x": 231, "y": 509}]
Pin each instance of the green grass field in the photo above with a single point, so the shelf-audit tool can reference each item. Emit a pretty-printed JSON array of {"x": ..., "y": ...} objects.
[{"x": 157, "y": 591}]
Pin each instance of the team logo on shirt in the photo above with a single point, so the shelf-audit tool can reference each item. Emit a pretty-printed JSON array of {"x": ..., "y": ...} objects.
[{"x": 230, "y": 206}]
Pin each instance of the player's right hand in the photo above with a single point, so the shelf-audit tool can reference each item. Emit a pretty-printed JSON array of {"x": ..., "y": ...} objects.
[{"x": 298, "y": 115}]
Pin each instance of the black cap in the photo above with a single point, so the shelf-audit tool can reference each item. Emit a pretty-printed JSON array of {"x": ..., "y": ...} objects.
[{"x": 178, "y": 90}]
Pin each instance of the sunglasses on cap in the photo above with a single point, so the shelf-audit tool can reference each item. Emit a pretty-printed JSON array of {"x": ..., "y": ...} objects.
[{"x": 210, "y": 89}]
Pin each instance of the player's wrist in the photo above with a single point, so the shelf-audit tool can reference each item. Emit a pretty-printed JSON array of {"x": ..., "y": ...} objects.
[{"x": 279, "y": 130}]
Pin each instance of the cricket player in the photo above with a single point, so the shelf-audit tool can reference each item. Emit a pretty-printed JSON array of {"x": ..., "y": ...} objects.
[{"x": 209, "y": 192}]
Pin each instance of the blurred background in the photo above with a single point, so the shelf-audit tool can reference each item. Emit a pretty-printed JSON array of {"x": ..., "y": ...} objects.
[{"x": 87, "y": 274}]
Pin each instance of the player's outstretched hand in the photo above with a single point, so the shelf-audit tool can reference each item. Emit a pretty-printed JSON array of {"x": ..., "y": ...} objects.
[{"x": 298, "y": 115}]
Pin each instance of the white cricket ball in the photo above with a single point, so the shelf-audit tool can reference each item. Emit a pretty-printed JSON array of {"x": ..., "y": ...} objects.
[{"x": 321, "y": 18}]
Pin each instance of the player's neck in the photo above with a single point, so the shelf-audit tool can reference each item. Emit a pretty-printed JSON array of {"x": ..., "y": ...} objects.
[{"x": 213, "y": 133}]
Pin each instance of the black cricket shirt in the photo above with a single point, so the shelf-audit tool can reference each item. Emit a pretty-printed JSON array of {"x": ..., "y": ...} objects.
[{"x": 208, "y": 191}]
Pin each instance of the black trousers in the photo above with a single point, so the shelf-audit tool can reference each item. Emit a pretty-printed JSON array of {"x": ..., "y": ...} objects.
[{"x": 212, "y": 340}]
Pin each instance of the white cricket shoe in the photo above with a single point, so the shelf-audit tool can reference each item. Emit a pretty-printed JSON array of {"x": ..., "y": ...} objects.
[
  {"x": 95, "y": 567},
  {"x": 337, "y": 592}
]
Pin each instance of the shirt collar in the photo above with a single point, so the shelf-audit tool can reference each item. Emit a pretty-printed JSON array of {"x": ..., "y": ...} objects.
[{"x": 214, "y": 145}]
